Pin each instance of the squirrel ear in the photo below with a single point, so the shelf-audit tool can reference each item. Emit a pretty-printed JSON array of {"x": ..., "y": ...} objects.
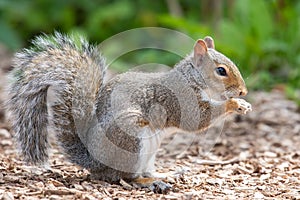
[
  {"x": 200, "y": 49},
  {"x": 209, "y": 42}
]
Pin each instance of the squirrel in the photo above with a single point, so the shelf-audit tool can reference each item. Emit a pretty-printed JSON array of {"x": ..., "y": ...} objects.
[{"x": 114, "y": 129}]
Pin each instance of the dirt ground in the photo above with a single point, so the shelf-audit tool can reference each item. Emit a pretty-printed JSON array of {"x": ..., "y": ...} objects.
[{"x": 256, "y": 156}]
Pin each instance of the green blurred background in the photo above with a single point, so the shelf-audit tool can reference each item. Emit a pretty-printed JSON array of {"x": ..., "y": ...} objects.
[{"x": 261, "y": 36}]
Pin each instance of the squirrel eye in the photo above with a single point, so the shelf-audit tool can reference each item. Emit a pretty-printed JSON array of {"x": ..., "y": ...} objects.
[{"x": 221, "y": 71}]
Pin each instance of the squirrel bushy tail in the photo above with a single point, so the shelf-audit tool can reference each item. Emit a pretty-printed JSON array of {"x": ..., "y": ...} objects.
[{"x": 55, "y": 82}]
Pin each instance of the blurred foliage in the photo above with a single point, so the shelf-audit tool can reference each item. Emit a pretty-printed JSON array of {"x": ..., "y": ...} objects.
[{"x": 261, "y": 36}]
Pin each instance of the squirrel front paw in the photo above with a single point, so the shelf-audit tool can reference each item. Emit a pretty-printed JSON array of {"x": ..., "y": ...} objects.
[{"x": 238, "y": 105}]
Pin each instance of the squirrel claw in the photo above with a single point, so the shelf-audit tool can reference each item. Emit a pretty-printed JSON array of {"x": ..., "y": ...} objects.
[{"x": 160, "y": 187}]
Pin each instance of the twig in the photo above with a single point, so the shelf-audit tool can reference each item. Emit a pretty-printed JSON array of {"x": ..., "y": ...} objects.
[{"x": 217, "y": 162}]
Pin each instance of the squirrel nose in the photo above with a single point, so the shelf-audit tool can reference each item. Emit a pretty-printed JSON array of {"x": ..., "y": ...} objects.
[{"x": 243, "y": 92}]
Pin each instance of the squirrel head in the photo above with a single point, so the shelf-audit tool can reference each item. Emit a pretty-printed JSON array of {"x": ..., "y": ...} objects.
[{"x": 221, "y": 75}]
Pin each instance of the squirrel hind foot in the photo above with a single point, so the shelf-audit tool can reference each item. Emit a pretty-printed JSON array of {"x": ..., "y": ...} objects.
[
  {"x": 153, "y": 184},
  {"x": 160, "y": 187}
]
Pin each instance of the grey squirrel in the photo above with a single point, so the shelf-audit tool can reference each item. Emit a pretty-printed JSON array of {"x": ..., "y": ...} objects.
[{"x": 114, "y": 129}]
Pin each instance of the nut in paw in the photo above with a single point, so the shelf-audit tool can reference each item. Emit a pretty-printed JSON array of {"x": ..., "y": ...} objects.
[
  {"x": 243, "y": 106},
  {"x": 238, "y": 105}
]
